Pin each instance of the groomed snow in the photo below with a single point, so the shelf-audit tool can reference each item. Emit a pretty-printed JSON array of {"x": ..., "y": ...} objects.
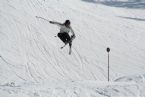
[{"x": 33, "y": 65}]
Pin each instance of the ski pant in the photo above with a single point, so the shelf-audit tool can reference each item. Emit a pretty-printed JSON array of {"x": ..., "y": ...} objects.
[{"x": 65, "y": 37}]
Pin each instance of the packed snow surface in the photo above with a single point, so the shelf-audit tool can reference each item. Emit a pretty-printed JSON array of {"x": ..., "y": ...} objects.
[{"x": 33, "y": 65}]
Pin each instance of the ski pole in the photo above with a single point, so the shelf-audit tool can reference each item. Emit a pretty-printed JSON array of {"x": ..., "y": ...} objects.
[{"x": 108, "y": 50}]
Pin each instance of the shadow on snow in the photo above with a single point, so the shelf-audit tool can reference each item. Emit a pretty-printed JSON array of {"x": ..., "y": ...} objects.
[
  {"x": 136, "y": 4},
  {"x": 137, "y": 19}
]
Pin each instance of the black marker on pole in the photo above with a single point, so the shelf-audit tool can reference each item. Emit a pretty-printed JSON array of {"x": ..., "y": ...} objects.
[{"x": 108, "y": 50}]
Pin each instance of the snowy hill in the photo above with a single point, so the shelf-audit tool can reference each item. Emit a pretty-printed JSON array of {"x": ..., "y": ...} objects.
[{"x": 29, "y": 52}]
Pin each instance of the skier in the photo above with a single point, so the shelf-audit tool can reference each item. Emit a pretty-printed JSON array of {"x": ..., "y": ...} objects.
[{"x": 65, "y": 28}]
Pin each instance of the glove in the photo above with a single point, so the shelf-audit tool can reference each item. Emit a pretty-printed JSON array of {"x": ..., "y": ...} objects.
[{"x": 51, "y": 22}]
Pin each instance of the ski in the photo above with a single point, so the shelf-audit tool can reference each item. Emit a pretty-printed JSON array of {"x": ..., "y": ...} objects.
[
  {"x": 70, "y": 51},
  {"x": 64, "y": 45}
]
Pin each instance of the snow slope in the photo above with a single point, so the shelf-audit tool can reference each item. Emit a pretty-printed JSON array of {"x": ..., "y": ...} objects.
[
  {"x": 29, "y": 52},
  {"x": 72, "y": 89}
]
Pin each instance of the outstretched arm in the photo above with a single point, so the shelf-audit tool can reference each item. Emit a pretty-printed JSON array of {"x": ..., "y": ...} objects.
[{"x": 57, "y": 23}]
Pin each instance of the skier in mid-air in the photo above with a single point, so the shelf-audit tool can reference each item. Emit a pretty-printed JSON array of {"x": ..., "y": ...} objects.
[{"x": 65, "y": 28}]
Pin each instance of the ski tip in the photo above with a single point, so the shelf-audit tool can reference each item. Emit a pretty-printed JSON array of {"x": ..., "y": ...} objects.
[{"x": 70, "y": 53}]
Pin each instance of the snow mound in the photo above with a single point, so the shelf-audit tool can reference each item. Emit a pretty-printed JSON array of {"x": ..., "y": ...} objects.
[{"x": 73, "y": 89}]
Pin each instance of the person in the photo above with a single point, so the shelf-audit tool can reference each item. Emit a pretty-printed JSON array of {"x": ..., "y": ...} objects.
[{"x": 65, "y": 28}]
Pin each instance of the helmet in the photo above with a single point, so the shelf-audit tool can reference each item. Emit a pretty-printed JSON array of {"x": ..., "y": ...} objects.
[{"x": 67, "y": 22}]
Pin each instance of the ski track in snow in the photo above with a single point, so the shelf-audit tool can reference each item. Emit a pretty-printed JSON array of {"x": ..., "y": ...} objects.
[{"x": 30, "y": 54}]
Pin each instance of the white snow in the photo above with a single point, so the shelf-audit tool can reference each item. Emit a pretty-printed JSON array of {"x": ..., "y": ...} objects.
[{"x": 33, "y": 65}]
